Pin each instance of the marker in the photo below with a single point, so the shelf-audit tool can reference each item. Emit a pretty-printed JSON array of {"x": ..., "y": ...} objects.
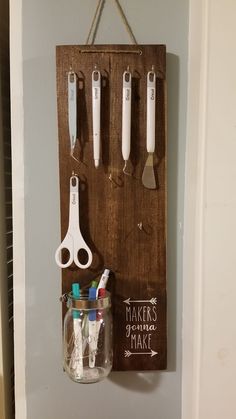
[
  {"x": 76, "y": 362},
  {"x": 94, "y": 284},
  {"x": 101, "y": 294},
  {"x": 76, "y": 295},
  {"x": 92, "y": 327},
  {"x": 103, "y": 280},
  {"x": 86, "y": 322}
]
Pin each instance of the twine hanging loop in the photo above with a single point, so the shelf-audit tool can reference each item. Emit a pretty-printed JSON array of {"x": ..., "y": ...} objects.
[{"x": 96, "y": 20}]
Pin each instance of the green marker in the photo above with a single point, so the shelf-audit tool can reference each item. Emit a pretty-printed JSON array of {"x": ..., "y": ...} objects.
[
  {"x": 94, "y": 284},
  {"x": 76, "y": 296}
]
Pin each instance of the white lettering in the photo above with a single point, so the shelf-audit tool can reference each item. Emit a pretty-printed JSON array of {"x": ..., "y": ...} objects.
[{"x": 140, "y": 341}]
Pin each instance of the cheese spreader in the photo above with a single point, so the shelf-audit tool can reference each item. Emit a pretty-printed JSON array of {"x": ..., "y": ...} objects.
[{"x": 148, "y": 177}]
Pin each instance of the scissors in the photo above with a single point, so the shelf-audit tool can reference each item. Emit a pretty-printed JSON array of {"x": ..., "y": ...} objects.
[{"x": 73, "y": 240}]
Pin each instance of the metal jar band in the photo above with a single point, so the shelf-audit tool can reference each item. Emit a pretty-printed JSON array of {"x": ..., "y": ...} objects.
[{"x": 84, "y": 304}]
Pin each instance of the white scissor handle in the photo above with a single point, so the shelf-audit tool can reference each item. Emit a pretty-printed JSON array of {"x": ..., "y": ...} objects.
[
  {"x": 81, "y": 245},
  {"x": 96, "y": 98},
  {"x": 126, "y": 115},
  {"x": 73, "y": 246},
  {"x": 66, "y": 244},
  {"x": 151, "y": 111}
]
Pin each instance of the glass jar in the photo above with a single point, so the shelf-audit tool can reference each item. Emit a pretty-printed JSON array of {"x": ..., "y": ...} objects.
[{"x": 88, "y": 349}]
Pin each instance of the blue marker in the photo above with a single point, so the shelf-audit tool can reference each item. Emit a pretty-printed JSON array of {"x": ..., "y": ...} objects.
[
  {"x": 92, "y": 326},
  {"x": 92, "y": 297}
]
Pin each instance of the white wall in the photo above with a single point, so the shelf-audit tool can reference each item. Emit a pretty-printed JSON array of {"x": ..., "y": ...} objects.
[{"x": 49, "y": 393}]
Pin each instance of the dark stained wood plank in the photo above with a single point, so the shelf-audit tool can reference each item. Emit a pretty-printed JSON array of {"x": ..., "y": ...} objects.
[{"x": 110, "y": 214}]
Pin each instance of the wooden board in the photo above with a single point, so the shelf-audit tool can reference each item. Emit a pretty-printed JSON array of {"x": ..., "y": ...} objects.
[{"x": 110, "y": 214}]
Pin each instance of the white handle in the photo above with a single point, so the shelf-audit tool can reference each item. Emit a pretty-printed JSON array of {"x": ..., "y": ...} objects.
[
  {"x": 74, "y": 225},
  {"x": 74, "y": 205},
  {"x": 126, "y": 115},
  {"x": 151, "y": 111},
  {"x": 96, "y": 98},
  {"x": 67, "y": 244},
  {"x": 72, "y": 107}
]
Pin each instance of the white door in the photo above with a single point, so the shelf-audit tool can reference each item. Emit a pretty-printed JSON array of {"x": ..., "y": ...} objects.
[{"x": 209, "y": 331}]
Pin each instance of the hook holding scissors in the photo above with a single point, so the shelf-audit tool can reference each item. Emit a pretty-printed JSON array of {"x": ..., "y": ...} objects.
[{"x": 73, "y": 241}]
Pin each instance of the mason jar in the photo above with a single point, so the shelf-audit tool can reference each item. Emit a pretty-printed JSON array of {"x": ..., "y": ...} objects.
[{"x": 88, "y": 348}]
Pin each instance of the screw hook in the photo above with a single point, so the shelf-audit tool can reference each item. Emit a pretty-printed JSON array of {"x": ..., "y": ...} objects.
[
  {"x": 140, "y": 226},
  {"x": 73, "y": 156},
  {"x": 125, "y": 171},
  {"x": 115, "y": 183}
]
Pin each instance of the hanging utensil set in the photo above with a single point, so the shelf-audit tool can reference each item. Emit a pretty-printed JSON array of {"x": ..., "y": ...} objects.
[
  {"x": 73, "y": 241},
  {"x": 148, "y": 178}
]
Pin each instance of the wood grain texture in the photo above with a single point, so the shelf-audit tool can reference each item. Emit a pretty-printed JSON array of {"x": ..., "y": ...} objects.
[{"x": 110, "y": 214}]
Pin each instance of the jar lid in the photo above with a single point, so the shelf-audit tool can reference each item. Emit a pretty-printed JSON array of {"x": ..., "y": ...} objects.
[{"x": 83, "y": 303}]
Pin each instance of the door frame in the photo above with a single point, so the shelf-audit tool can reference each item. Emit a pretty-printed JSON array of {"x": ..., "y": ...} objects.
[
  {"x": 18, "y": 204},
  {"x": 198, "y": 53}
]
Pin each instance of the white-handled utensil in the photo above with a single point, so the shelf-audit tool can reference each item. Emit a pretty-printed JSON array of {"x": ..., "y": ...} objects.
[
  {"x": 73, "y": 240},
  {"x": 96, "y": 99},
  {"x": 72, "y": 109},
  {"x": 126, "y": 116},
  {"x": 148, "y": 177}
]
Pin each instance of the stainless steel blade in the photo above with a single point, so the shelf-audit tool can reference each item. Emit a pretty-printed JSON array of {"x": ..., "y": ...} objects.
[{"x": 148, "y": 177}]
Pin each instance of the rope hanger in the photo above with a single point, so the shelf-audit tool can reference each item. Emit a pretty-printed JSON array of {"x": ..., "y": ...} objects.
[{"x": 96, "y": 20}]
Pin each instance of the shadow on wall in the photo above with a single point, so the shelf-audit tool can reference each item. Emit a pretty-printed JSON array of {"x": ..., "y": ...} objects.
[{"x": 147, "y": 382}]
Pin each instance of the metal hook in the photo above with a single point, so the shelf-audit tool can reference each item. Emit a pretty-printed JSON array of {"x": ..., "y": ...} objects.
[
  {"x": 140, "y": 225},
  {"x": 74, "y": 174},
  {"x": 145, "y": 228},
  {"x": 64, "y": 298},
  {"x": 72, "y": 75},
  {"x": 73, "y": 157},
  {"x": 125, "y": 171},
  {"x": 115, "y": 183},
  {"x": 111, "y": 179},
  {"x": 153, "y": 68}
]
